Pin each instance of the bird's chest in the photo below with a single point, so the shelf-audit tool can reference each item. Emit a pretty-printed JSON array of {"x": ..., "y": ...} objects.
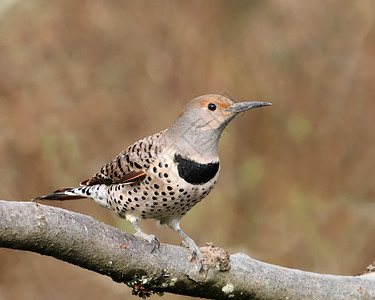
[
  {"x": 194, "y": 172},
  {"x": 179, "y": 184},
  {"x": 180, "y": 178},
  {"x": 172, "y": 186}
]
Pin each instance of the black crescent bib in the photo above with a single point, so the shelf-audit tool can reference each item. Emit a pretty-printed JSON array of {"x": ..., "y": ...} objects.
[{"x": 194, "y": 172}]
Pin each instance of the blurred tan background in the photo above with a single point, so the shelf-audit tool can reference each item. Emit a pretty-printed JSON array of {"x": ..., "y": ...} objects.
[{"x": 81, "y": 80}]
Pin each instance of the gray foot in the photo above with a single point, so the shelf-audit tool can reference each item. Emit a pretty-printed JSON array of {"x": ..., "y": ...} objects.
[
  {"x": 195, "y": 252},
  {"x": 174, "y": 224},
  {"x": 153, "y": 240}
]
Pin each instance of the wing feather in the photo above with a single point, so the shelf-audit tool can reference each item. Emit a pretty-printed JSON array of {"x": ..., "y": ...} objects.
[{"x": 131, "y": 164}]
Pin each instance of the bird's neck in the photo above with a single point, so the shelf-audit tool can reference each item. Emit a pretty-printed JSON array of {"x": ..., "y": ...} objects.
[{"x": 198, "y": 145}]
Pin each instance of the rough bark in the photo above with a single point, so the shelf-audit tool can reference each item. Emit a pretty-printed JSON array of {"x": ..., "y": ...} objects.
[{"x": 85, "y": 242}]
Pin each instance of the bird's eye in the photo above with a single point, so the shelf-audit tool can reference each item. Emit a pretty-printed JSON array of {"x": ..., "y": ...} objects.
[{"x": 211, "y": 106}]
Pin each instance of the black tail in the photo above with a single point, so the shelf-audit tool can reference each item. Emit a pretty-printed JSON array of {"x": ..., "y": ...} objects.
[{"x": 60, "y": 195}]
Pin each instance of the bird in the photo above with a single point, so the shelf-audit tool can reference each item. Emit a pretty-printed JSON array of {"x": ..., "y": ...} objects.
[{"x": 164, "y": 175}]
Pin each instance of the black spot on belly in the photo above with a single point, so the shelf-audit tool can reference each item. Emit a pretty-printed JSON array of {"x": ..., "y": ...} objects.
[{"x": 194, "y": 172}]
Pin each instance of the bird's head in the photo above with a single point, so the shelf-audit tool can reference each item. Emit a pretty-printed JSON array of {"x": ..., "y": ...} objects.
[{"x": 198, "y": 128}]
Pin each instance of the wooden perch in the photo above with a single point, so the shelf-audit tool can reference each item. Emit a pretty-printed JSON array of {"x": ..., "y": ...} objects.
[{"x": 85, "y": 242}]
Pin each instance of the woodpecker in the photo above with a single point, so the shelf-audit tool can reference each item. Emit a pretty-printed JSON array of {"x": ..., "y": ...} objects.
[{"x": 164, "y": 175}]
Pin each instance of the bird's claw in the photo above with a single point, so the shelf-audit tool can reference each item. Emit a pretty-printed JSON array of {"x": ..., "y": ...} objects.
[
  {"x": 198, "y": 254},
  {"x": 155, "y": 242},
  {"x": 195, "y": 253}
]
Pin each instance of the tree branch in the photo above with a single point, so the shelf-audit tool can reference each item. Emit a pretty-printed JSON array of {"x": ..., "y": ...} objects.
[{"x": 85, "y": 242}]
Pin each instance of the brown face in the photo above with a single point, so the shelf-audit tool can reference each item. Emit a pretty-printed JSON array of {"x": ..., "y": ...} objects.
[
  {"x": 221, "y": 104},
  {"x": 212, "y": 112},
  {"x": 199, "y": 127},
  {"x": 209, "y": 112}
]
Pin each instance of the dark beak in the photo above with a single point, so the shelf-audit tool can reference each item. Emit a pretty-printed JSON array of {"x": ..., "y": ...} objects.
[{"x": 244, "y": 106}]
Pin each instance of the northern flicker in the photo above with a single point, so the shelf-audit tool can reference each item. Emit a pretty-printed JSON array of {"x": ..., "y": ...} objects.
[{"x": 163, "y": 176}]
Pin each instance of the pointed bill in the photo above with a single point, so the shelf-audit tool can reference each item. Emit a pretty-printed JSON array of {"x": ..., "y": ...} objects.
[{"x": 244, "y": 106}]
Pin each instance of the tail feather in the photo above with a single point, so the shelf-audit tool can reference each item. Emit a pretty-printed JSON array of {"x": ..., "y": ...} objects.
[
  {"x": 60, "y": 195},
  {"x": 97, "y": 192}
]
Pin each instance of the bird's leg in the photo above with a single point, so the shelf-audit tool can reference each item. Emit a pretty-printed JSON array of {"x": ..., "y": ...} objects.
[
  {"x": 174, "y": 224},
  {"x": 153, "y": 240}
]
